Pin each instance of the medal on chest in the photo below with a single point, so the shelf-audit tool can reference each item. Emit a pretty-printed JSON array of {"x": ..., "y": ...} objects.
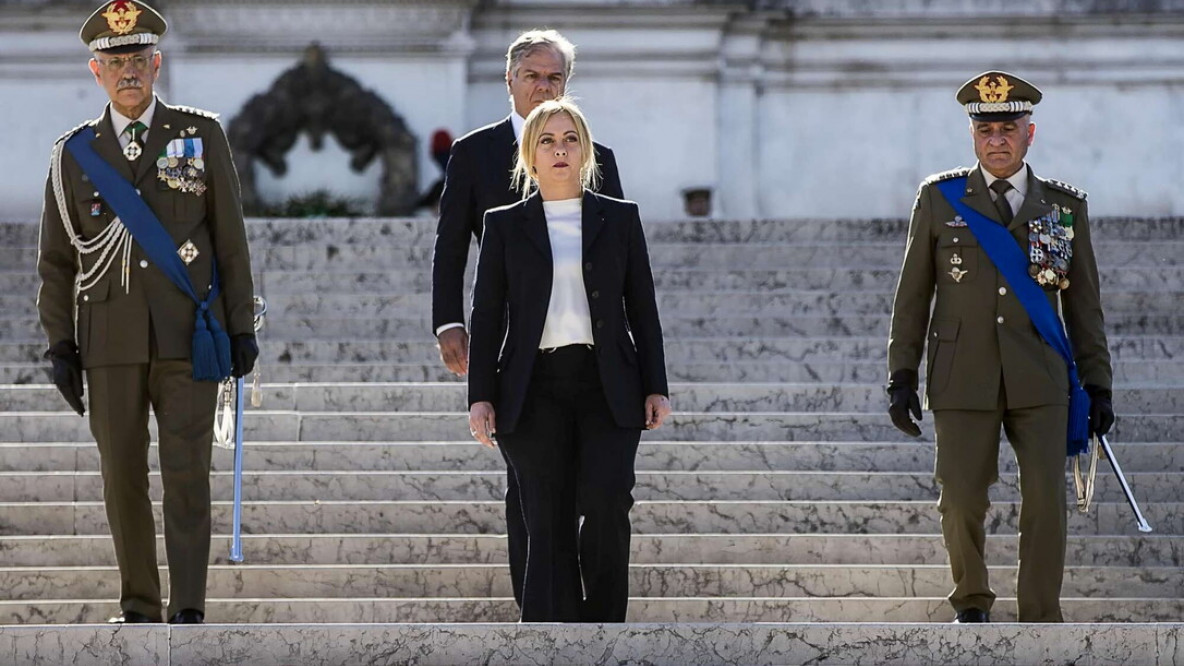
[{"x": 1050, "y": 247}]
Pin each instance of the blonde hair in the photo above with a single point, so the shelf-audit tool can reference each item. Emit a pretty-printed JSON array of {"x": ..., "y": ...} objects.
[
  {"x": 530, "y": 40},
  {"x": 523, "y": 178}
]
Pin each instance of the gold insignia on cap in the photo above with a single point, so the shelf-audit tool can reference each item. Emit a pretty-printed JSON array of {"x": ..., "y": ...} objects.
[
  {"x": 993, "y": 92},
  {"x": 188, "y": 252},
  {"x": 121, "y": 16}
]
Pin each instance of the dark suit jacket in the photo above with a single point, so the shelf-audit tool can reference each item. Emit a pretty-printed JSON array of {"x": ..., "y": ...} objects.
[
  {"x": 513, "y": 291},
  {"x": 478, "y": 178},
  {"x": 112, "y": 326}
]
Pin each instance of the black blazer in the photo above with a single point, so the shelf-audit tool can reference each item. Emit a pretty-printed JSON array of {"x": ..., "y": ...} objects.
[
  {"x": 476, "y": 179},
  {"x": 513, "y": 291}
]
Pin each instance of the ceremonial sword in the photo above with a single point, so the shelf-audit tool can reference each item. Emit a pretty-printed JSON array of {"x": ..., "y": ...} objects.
[{"x": 222, "y": 432}]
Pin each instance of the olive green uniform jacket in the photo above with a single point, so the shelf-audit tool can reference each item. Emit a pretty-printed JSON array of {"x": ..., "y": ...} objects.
[
  {"x": 979, "y": 333},
  {"x": 111, "y": 325}
]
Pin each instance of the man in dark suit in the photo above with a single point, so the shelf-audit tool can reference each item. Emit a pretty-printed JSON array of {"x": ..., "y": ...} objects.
[
  {"x": 107, "y": 306},
  {"x": 538, "y": 66}
]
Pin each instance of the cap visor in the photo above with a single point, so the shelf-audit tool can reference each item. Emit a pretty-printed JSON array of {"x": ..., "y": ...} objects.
[
  {"x": 998, "y": 117},
  {"x": 130, "y": 48}
]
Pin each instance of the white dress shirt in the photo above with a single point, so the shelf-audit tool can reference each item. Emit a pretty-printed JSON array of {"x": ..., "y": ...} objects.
[
  {"x": 519, "y": 124},
  {"x": 569, "y": 321},
  {"x": 1019, "y": 187},
  {"x": 120, "y": 123}
]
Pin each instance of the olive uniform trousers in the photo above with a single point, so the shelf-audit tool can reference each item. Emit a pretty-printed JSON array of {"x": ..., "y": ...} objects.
[
  {"x": 967, "y": 465},
  {"x": 119, "y": 399}
]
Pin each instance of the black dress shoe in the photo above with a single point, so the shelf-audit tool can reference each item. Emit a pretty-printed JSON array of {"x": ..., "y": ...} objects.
[
  {"x": 131, "y": 617},
  {"x": 187, "y": 616},
  {"x": 972, "y": 616}
]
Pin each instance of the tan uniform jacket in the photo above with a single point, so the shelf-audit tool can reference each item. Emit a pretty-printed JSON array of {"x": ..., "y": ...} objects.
[
  {"x": 979, "y": 332},
  {"x": 112, "y": 327}
]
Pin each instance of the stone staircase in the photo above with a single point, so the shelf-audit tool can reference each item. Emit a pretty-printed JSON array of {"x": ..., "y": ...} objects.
[{"x": 778, "y": 493}]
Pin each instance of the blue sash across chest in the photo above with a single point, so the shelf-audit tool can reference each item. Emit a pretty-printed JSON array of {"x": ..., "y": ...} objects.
[
  {"x": 211, "y": 345},
  {"x": 1012, "y": 264}
]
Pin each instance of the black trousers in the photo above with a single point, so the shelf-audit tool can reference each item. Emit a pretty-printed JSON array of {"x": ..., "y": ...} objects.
[
  {"x": 516, "y": 537},
  {"x": 567, "y": 452}
]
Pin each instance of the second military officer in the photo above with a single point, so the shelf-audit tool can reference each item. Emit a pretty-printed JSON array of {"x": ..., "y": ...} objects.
[{"x": 987, "y": 366}]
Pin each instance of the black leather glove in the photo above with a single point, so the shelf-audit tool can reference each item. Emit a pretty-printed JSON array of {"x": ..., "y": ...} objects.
[
  {"x": 67, "y": 373},
  {"x": 1101, "y": 409},
  {"x": 243, "y": 352},
  {"x": 903, "y": 399}
]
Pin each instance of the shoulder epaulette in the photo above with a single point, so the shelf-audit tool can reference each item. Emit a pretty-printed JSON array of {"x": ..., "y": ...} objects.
[
  {"x": 196, "y": 112},
  {"x": 72, "y": 132},
  {"x": 946, "y": 175},
  {"x": 1065, "y": 187}
]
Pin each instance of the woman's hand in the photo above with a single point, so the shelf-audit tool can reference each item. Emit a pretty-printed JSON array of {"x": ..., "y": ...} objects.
[
  {"x": 482, "y": 423},
  {"x": 657, "y": 408}
]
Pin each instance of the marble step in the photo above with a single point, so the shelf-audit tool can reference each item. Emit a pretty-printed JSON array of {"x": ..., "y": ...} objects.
[
  {"x": 680, "y": 351},
  {"x": 1111, "y": 254},
  {"x": 671, "y": 644},
  {"x": 265, "y": 425},
  {"x": 414, "y": 231},
  {"x": 696, "y": 397},
  {"x": 653, "y": 455},
  {"x": 456, "y": 517},
  {"x": 641, "y": 609},
  {"x": 323, "y": 485},
  {"x": 780, "y": 304},
  {"x": 1139, "y": 550},
  {"x": 824, "y": 372},
  {"x": 372, "y": 581},
  {"x": 667, "y": 280},
  {"x": 874, "y": 373},
  {"x": 416, "y": 326}
]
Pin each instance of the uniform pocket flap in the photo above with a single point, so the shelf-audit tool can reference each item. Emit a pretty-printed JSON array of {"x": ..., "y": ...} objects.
[
  {"x": 944, "y": 330},
  {"x": 96, "y": 294}
]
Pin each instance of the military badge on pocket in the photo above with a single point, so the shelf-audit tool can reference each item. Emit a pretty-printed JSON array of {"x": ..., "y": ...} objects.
[{"x": 188, "y": 252}]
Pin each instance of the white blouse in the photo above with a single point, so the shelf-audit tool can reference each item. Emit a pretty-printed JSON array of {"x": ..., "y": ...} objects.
[{"x": 569, "y": 321}]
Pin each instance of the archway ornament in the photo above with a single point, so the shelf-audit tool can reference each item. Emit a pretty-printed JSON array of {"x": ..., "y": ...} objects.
[{"x": 312, "y": 97}]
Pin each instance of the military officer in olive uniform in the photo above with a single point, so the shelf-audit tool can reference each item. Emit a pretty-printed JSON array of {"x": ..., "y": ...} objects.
[
  {"x": 108, "y": 309},
  {"x": 987, "y": 367}
]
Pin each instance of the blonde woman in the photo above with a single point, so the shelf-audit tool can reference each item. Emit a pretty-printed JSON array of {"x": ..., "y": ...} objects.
[{"x": 565, "y": 275}]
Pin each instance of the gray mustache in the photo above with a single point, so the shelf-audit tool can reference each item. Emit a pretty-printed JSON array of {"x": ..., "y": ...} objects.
[{"x": 128, "y": 83}]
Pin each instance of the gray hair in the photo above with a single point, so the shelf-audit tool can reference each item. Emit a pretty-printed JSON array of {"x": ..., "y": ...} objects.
[{"x": 530, "y": 40}]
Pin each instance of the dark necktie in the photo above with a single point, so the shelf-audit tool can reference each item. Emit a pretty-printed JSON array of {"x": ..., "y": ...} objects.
[{"x": 1001, "y": 188}]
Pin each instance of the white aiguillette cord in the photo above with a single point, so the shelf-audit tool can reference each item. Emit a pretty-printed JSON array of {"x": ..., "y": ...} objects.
[{"x": 113, "y": 240}]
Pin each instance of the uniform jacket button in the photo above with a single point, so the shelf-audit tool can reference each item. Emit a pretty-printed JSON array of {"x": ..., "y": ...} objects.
[
  {"x": 1002, "y": 291},
  {"x": 999, "y": 320},
  {"x": 588, "y": 266},
  {"x": 595, "y": 294},
  {"x": 599, "y": 323},
  {"x": 143, "y": 263}
]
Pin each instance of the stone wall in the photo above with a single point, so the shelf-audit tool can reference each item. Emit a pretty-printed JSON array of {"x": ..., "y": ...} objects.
[{"x": 786, "y": 108}]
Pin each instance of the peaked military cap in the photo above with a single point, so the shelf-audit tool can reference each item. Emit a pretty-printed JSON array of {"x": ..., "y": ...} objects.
[
  {"x": 122, "y": 25},
  {"x": 998, "y": 96}
]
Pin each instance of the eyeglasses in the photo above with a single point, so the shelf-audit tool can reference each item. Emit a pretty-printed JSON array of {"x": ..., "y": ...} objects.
[{"x": 116, "y": 64}]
